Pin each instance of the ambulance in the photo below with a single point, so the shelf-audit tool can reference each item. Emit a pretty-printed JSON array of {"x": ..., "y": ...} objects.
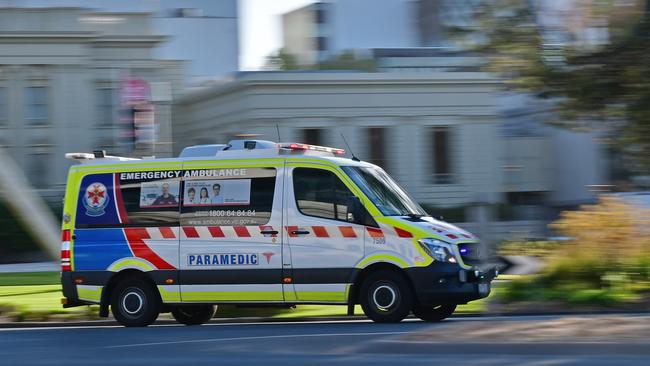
[{"x": 257, "y": 223}]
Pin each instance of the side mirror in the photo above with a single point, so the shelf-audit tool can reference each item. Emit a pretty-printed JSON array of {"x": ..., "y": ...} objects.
[{"x": 357, "y": 213}]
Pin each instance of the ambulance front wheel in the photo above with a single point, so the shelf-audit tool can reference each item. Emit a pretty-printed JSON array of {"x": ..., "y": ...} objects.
[
  {"x": 386, "y": 297},
  {"x": 135, "y": 303},
  {"x": 434, "y": 313},
  {"x": 193, "y": 314}
]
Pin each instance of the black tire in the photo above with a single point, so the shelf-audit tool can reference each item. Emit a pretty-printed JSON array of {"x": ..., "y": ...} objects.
[
  {"x": 434, "y": 313},
  {"x": 135, "y": 303},
  {"x": 386, "y": 297},
  {"x": 193, "y": 314}
]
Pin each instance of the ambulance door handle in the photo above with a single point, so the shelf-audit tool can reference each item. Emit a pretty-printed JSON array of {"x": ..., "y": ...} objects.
[
  {"x": 269, "y": 232},
  {"x": 300, "y": 232}
]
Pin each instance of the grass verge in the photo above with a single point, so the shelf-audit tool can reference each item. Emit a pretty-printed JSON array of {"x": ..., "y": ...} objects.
[{"x": 29, "y": 278}]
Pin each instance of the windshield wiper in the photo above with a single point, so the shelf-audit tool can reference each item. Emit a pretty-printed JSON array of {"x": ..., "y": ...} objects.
[
  {"x": 410, "y": 215},
  {"x": 414, "y": 216}
]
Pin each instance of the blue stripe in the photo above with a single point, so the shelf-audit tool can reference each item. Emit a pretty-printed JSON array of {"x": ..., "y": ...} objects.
[{"x": 96, "y": 249}]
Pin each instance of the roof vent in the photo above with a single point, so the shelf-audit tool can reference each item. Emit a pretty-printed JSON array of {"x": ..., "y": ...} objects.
[
  {"x": 251, "y": 145},
  {"x": 202, "y": 150}
]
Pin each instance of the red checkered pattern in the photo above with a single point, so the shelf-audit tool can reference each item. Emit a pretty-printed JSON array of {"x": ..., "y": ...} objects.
[{"x": 203, "y": 232}]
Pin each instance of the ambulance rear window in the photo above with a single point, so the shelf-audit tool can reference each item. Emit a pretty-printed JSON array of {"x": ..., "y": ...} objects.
[{"x": 151, "y": 202}]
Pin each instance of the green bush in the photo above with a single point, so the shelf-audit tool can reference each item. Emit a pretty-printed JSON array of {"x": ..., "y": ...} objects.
[
  {"x": 540, "y": 248},
  {"x": 607, "y": 264}
]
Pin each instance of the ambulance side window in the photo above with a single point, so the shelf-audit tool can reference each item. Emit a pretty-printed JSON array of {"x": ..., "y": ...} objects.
[
  {"x": 127, "y": 200},
  {"x": 151, "y": 203},
  {"x": 320, "y": 193},
  {"x": 245, "y": 200}
]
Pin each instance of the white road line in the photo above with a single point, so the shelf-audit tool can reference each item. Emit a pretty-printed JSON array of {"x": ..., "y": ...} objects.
[
  {"x": 216, "y": 324},
  {"x": 45, "y": 327},
  {"x": 256, "y": 337},
  {"x": 268, "y": 323}
]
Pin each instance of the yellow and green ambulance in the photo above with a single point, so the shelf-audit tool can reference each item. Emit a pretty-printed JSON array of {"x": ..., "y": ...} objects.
[{"x": 255, "y": 223}]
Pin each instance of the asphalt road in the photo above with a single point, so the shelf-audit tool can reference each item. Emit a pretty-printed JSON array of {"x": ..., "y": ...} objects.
[{"x": 286, "y": 343}]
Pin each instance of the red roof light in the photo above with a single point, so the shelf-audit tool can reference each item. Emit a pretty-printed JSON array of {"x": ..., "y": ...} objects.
[
  {"x": 306, "y": 147},
  {"x": 299, "y": 147}
]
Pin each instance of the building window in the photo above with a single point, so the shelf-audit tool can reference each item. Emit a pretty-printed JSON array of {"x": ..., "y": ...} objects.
[
  {"x": 376, "y": 145},
  {"x": 312, "y": 136},
  {"x": 105, "y": 111},
  {"x": 36, "y": 105},
  {"x": 320, "y": 16},
  {"x": 38, "y": 170},
  {"x": 3, "y": 105},
  {"x": 321, "y": 43},
  {"x": 441, "y": 159}
]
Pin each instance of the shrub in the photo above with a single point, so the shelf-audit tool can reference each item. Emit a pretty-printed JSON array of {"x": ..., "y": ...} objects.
[{"x": 606, "y": 263}]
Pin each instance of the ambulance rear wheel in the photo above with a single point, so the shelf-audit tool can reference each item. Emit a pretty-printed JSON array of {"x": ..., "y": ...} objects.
[
  {"x": 193, "y": 314},
  {"x": 434, "y": 313},
  {"x": 135, "y": 303},
  {"x": 386, "y": 297}
]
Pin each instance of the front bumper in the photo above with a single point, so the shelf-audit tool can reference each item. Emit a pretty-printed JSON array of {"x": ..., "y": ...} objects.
[{"x": 447, "y": 283}]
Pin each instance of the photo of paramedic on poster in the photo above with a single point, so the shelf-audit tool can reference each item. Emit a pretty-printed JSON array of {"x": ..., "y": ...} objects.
[
  {"x": 230, "y": 192},
  {"x": 159, "y": 194}
]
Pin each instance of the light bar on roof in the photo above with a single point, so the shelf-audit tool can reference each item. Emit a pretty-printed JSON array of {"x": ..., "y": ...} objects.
[{"x": 306, "y": 147}]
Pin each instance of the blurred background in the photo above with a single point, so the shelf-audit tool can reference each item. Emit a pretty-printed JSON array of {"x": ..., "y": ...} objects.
[{"x": 526, "y": 122}]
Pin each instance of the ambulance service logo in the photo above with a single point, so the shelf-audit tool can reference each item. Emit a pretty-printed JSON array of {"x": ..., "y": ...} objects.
[{"x": 96, "y": 199}]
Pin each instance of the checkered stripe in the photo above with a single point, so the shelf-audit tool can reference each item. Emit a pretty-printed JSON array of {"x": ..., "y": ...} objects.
[
  {"x": 161, "y": 233},
  {"x": 333, "y": 232},
  {"x": 194, "y": 232},
  {"x": 203, "y": 232}
]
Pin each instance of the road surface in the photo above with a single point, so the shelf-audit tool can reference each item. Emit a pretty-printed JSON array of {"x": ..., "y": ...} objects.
[{"x": 356, "y": 342}]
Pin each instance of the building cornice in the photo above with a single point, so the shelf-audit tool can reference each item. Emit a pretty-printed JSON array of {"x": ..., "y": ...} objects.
[
  {"x": 39, "y": 37},
  {"x": 307, "y": 79}
]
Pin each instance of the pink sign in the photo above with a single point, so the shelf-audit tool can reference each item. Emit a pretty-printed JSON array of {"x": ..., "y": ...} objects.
[{"x": 134, "y": 91}]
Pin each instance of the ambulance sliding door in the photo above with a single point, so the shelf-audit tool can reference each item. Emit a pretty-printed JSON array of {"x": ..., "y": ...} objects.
[{"x": 231, "y": 245}]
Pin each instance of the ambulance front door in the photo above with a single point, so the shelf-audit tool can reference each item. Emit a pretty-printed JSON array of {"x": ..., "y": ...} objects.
[
  {"x": 324, "y": 245},
  {"x": 231, "y": 243}
]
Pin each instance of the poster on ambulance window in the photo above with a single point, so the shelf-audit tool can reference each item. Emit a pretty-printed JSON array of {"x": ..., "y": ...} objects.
[
  {"x": 217, "y": 192},
  {"x": 159, "y": 194}
]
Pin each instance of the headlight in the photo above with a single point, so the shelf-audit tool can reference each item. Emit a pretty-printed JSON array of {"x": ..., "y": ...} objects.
[{"x": 437, "y": 249}]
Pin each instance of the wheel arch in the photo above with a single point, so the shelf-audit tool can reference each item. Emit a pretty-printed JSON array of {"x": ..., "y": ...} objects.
[
  {"x": 116, "y": 278},
  {"x": 353, "y": 297}
]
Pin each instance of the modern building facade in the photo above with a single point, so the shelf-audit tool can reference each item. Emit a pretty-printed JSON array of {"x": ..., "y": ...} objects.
[
  {"x": 62, "y": 75},
  {"x": 325, "y": 29}
]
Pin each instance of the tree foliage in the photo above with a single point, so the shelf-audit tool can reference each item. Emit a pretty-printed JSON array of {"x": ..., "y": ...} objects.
[
  {"x": 281, "y": 60},
  {"x": 603, "y": 85}
]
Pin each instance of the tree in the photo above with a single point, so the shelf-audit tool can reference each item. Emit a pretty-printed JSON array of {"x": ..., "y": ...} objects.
[
  {"x": 281, "y": 60},
  {"x": 604, "y": 86}
]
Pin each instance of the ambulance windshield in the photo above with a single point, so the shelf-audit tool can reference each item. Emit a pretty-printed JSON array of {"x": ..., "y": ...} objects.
[{"x": 382, "y": 190}]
